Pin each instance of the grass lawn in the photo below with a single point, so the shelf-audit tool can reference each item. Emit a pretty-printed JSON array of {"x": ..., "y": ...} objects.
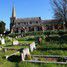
[
  {"x": 24, "y": 64},
  {"x": 52, "y": 45},
  {"x": 50, "y": 52},
  {"x": 2, "y": 53},
  {"x": 15, "y": 47},
  {"x": 25, "y": 42}
]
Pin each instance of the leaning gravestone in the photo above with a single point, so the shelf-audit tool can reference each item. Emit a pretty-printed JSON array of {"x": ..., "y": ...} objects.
[
  {"x": 7, "y": 57},
  {"x": 25, "y": 52},
  {"x": 2, "y": 41},
  {"x": 32, "y": 46},
  {"x": 15, "y": 42}
]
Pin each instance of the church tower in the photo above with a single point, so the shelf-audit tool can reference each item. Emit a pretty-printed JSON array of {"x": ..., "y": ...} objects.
[{"x": 12, "y": 18}]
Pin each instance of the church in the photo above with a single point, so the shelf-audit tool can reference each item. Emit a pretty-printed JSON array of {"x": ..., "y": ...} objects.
[{"x": 20, "y": 25}]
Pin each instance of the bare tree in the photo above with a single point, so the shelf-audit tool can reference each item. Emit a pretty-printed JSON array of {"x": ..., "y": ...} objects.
[{"x": 60, "y": 10}]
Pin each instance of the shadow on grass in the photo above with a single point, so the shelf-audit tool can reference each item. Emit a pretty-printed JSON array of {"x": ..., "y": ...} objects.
[{"x": 14, "y": 58}]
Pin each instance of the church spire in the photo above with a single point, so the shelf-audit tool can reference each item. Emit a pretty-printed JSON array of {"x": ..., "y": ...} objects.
[{"x": 13, "y": 12}]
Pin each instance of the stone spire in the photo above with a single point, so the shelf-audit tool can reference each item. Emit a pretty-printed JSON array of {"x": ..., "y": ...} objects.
[{"x": 13, "y": 12}]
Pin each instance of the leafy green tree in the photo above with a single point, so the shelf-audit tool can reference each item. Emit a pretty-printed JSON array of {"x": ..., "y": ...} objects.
[{"x": 2, "y": 27}]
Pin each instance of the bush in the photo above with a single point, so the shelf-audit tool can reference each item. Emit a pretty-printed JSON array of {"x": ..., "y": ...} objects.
[
  {"x": 33, "y": 33},
  {"x": 61, "y": 59},
  {"x": 60, "y": 32},
  {"x": 47, "y": 33}
]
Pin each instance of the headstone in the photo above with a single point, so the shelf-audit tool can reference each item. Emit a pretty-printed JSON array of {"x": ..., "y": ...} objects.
[
  {"x": 32, "y": 46},
  {"x": 16, "y": 37},
  {"x": 1, "y": 35},
  {"x": 7, "y": 57},
  {"x": 22, "y": 57},
  {"x": 2, "y": 41},
  {"x": 19, "y": 36},
  {"x": 25, "y": 52},
  {"x": 15, "y": 42},
  {"x": 5, "y": 50}
]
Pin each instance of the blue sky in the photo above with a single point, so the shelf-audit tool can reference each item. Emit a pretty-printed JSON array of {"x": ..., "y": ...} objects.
[{"x": 24, "y": 9}]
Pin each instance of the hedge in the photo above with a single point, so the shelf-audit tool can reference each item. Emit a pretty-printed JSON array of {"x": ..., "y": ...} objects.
[{"x": 48, "y": 32}]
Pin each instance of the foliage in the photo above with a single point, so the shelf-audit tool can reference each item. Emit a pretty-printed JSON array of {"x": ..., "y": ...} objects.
[
  {"x": 14, "y": 34},
  {"x": 61, "y": 59},
  {"x": 61, "y": 33},
  {"x": 2, "y": 27},
  {"x": 39, "y": 33}
]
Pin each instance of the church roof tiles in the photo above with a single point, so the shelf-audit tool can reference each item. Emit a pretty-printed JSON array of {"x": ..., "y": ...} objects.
[{"x": 27, "y": 19}]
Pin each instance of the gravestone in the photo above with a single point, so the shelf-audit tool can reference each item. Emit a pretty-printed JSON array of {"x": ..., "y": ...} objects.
[
  {"x": 16, "y": 36},
  {"x": 22, "y": 57},
  {"x": 7, "y": 57},
  {"x": 1, "y": 35},
  {"x": 15, "y": 42},
  {"x": 32, "y": 46},
  {"x": 5, "y": 49},
  {"x": 2, "y": 40},
  {"x": 25, "y": 52},
  {"x": 19, "y": 36}
]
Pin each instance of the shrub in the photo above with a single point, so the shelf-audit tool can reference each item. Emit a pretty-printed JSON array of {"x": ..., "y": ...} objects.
[
  {"x": 61, "y": 59},
  {"x": 61, "y": 33},
  {"x": 47, "y": 33},
  {"x": 13, "y": 35}
]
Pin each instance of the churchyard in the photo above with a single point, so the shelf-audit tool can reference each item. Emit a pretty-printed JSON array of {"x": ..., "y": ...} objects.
[{"x": 38, "y": 49}]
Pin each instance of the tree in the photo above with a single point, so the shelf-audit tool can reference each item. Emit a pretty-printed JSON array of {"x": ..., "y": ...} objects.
[
  {"x": 2, "y": 27},
  {"x": 60, "y": 10}
]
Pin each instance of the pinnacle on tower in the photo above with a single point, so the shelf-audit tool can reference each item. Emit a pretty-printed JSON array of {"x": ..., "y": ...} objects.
[{"x": 13, "y": 12}]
